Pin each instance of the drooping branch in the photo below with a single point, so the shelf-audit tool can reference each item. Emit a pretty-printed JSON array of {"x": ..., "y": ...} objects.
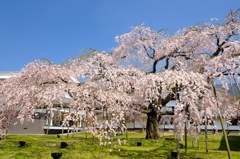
[
  {"x": 220, "y": 47},
  {"x": 166, "y": 99},
  {"x": 54, "y": 82},
  {"x": 154, "y": 69},
  {"x": 167, "y": 63},
  {"x": 147, "y": 52},
  {"x": 183, "y": 54},
  {"x": 49, "y": 82}
]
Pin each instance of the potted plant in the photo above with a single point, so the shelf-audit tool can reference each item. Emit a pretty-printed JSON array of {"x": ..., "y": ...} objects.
[
  {"x": 63, "y": 144},
  {"x": 56, "y": 155},
  {"x": 22, "y": 143},
  {"x": 139, "y": 143},
  {"x": 174, "y": 154}
]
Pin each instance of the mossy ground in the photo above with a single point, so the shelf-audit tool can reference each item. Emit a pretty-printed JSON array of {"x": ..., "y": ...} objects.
[{"x": 80, "y": 147}]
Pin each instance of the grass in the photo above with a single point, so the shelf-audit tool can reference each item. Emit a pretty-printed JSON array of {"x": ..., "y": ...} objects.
[{"x": 41, "y": 147}]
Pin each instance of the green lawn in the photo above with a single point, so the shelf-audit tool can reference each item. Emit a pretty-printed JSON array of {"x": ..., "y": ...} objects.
[{"x": 41, "y": 147}]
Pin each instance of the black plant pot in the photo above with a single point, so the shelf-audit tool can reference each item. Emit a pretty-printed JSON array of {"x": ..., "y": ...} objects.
[
  {"x": 22, "y": 143},
  {"x": 56, "y": 155},
  {"x": 139, "y": 143},
  {"x": 174, "y": 154},
  {"x": 63, "y": 144}
]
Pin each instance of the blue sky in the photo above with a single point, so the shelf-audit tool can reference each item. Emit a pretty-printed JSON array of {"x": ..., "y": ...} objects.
[{"x": 61, "y": 29}]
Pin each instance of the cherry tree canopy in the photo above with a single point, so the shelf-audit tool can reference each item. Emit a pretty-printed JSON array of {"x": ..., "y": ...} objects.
[
  {"x": 202, "y": 48},
  {"x": 210, "y": 49}
]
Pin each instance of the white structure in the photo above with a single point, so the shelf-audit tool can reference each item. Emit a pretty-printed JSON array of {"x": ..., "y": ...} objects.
[{"x": 5, "y": 75}]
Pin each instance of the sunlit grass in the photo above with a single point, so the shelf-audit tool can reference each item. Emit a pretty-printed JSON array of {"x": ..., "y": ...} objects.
[{"x": 80, "y": 147}]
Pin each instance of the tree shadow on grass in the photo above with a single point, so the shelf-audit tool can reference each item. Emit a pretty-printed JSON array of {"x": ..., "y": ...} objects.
[{"x": 233, "y": 143}]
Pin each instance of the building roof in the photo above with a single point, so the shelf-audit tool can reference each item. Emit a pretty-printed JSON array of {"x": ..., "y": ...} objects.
[
  {"x": 4, "y": 75},
  {"x": 171, "y": 103}
]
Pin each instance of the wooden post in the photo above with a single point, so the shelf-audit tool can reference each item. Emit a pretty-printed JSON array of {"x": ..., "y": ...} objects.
[{"x": 222, "y": 124}]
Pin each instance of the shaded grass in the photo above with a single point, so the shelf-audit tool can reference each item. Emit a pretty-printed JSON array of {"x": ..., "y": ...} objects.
[
  {"x": 41, "y": 147},
  {"x": 233, "y": 143}
]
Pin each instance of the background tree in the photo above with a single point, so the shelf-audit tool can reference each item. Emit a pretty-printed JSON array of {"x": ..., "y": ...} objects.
[
  {"x": 40, "y": 85},
  {"x": 7, "y": 113}
]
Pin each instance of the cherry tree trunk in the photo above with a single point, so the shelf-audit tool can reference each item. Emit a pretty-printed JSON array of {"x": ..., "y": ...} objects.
[{"x": 152, "y": 124}]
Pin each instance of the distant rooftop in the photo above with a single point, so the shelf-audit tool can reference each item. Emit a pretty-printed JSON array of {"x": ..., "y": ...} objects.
[{"x": 4, "y": 75}]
